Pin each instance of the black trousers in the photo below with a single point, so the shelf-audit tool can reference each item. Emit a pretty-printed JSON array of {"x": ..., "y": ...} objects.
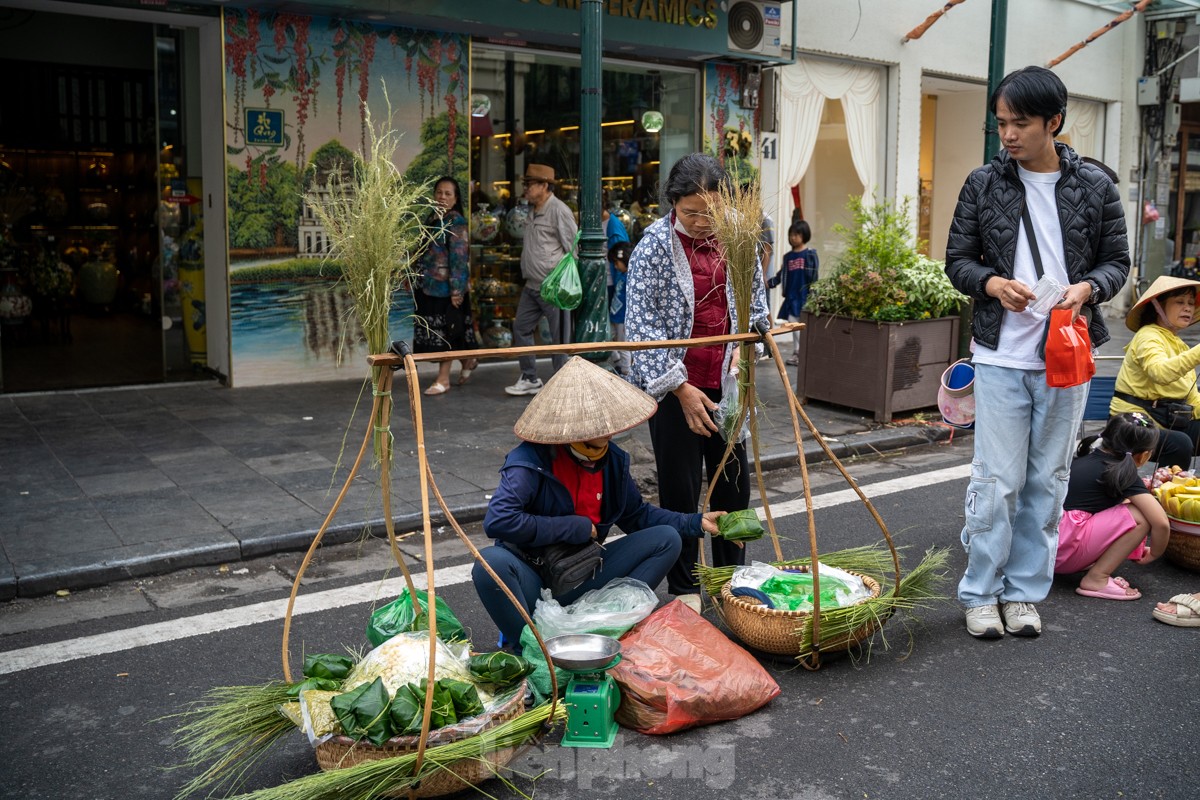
[
  {"x": 679, "y": 456},
  {"x": 1176, "y": 448}
]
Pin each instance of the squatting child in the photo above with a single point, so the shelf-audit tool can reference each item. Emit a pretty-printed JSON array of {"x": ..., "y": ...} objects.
[{"x": 1108, "y": 511}]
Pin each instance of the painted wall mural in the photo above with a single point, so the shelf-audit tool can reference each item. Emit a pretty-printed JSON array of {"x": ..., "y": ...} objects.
[
  {"x": 299, "y": 93},
  {"x": 730, "y": 131}
]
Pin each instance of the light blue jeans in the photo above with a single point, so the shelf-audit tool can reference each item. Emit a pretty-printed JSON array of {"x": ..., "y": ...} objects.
[{"x": 1024, "y": 437}]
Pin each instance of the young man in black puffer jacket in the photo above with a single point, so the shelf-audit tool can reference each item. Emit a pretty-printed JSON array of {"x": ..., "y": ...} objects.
[{"x": 1025, "y": 430}]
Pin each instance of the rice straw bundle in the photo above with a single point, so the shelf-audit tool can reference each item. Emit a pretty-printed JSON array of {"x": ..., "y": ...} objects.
[
  {"x": 236, "y": 726},
  {"x": 737, "y": 224},
  {"x": 374, "y": 225},
  {"x": 919, "y": 588},
  {"x": 370, "y": 779}
]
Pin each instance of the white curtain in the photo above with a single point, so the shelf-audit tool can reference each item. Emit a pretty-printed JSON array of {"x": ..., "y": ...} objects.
[
  {"x": 804, "y": 88},
  {"x": 1085, "y": 127}
]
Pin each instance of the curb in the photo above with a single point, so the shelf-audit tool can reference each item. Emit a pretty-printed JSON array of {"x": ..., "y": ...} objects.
[{"x": 50, "y": 577}]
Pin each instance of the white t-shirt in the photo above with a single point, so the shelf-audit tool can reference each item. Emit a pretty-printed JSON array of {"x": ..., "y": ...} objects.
[{"x": 1020, "y": 334}]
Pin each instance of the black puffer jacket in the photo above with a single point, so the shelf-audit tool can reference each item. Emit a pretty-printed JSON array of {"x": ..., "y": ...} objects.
[{"x": 983, "y": 236}]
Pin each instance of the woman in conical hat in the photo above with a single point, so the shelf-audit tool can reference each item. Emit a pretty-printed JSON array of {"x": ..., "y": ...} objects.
[
  {"x": 1160, "y": 367},
  {"x": 567, "y": 483}
]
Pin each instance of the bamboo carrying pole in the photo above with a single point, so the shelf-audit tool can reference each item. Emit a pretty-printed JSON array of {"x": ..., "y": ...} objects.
[{"x": 380, "y": 417}]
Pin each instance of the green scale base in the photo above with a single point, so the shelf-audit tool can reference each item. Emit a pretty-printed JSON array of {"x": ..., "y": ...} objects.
[{"x": 591, "y": 701}]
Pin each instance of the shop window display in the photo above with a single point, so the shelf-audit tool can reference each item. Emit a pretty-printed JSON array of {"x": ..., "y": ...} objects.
[{"x": 525, "y": 109}]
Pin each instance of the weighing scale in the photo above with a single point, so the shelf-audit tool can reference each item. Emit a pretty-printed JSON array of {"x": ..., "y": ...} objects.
[{"x": 592, "y": 696}]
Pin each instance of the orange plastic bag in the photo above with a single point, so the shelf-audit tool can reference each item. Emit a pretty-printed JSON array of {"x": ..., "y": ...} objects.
[
  {"x": 678, "y": 671},
  {"x": 1069, "y": 360}
]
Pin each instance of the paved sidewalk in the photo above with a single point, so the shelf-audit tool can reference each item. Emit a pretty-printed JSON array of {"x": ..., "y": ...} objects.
[{"x": 104, "y": 485}]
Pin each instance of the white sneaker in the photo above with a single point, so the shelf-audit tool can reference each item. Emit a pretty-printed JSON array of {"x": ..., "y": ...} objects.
[
  {"x": 692, "y": 601},
  {"x": 523, "y": 387},
  {"x": 983, "y": 622},
  {"x": 1021, "y": 619}
]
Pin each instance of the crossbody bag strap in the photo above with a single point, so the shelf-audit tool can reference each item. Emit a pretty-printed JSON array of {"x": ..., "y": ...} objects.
[{"x": 1032, "y": 237}]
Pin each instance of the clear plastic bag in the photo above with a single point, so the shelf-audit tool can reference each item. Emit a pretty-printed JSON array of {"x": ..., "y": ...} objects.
[
  {"x": 611, "y": 610},
  {"x": 728, "y": 410},
  {"x": 752, "y": 575}
]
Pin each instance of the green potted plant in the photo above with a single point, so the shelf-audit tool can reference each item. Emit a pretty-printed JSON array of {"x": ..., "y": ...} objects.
[{"x": 883, "y": 325}]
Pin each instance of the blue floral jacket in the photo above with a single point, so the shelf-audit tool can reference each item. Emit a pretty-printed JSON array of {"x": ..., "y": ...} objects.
[{"x": 660, "y": 300}]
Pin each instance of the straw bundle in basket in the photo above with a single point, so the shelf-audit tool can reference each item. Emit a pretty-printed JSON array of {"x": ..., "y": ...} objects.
[
  {"x": 1183, "y": 549},
  {"x": 342, "y": 751},
  {"x": 776, "y": 631}
]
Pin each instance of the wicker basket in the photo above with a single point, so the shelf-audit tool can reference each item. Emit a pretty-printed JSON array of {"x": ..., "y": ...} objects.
[
  {"x": 773, "y": 630},
  {"x": 1183, "y": 548},
  {"x": 342, "y": 751}
]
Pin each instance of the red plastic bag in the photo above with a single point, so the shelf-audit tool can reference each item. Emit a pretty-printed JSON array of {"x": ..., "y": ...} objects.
[
  {"x": 1069, "y": 360},
  {"x": 678, "y": 671}
]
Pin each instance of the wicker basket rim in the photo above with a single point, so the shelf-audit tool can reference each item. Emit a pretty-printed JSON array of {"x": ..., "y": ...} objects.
[{"x": 749, "y": 604}]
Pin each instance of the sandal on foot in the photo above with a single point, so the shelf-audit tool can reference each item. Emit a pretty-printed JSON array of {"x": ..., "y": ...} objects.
[
  {"x": 1115, "y": 589},
  {"x": 1187, "y": 612},
  {"x": 468, "y": 367},
  {"x": 437, "y": 388}
]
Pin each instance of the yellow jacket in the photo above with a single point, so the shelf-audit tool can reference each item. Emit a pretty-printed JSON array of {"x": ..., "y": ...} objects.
[{"x": 1158, "y": 365}]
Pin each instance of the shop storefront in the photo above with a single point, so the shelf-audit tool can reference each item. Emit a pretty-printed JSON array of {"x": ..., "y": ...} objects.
[
  {"x": 524, "y": 111},
  {"x": 157, "y": 190},
  {"x": 102, "y": 248}
]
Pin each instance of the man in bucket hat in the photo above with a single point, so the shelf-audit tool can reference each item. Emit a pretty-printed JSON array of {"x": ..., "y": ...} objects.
[
  {"x": 1035, "y": 210},
  {"x": 549, "y": 235},
  {"x": 567, "y": 483},
  {"x": 1160, "y": 368}
]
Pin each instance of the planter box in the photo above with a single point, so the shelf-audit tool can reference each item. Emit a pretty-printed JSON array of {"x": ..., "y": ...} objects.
[{"x": 882, "y": 367}]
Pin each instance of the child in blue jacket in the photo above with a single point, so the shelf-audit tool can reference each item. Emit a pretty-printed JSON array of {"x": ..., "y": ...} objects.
[
  {"x": 567, "y": 483},
  {"x": 797, "y": 273}
]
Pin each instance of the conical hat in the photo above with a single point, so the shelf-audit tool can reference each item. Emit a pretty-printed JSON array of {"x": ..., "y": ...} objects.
[
  {"x": 583, "y": 402},
  {"x": 1162, "y": 284}
]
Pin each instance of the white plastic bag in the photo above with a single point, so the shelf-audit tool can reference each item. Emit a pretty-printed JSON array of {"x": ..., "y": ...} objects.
[
  {"x": 612, "y": 609},
  {"x": 752, "y": 575}
]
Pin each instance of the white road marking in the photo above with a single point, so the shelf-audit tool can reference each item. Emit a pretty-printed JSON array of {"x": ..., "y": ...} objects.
[
  {"x": 872, "y": 491},
  {"x": 43, "y": 655}
]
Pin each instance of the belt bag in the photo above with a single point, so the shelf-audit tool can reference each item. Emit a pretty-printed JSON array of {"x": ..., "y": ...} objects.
[
  {"x": 565, "y": 566},
  {"x": 1173, "y": 414}
]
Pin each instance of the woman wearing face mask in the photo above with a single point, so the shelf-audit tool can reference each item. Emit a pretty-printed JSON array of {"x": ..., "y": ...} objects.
[
  {"x": 1160, "y": 367},
  {"x": 567, "y": 483},
  {"x": 677, "y": 288}
]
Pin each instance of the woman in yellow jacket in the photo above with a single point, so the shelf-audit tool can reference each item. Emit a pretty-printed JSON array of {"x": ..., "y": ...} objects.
[{"x": 1160, "y": 368}]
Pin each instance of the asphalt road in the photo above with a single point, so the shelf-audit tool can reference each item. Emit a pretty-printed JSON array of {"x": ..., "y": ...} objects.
[{"x": 1103, "y": 704}]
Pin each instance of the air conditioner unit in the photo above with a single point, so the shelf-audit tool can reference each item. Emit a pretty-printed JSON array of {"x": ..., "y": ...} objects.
[{"x": 753, "y": 28}]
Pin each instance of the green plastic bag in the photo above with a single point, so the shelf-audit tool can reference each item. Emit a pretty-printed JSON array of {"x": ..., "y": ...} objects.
[
  {"x": 740, "y": 526},
  {"x": 792, "y": 591},
  {"x": 397, "y": 617},
  {"x": 562, "y": 287},
  {"x": 363, "y": 712},
  {"x": 500, "y": 669}
]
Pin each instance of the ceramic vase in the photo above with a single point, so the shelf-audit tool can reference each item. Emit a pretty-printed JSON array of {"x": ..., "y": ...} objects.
[{"x": 485, "y": 226}]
